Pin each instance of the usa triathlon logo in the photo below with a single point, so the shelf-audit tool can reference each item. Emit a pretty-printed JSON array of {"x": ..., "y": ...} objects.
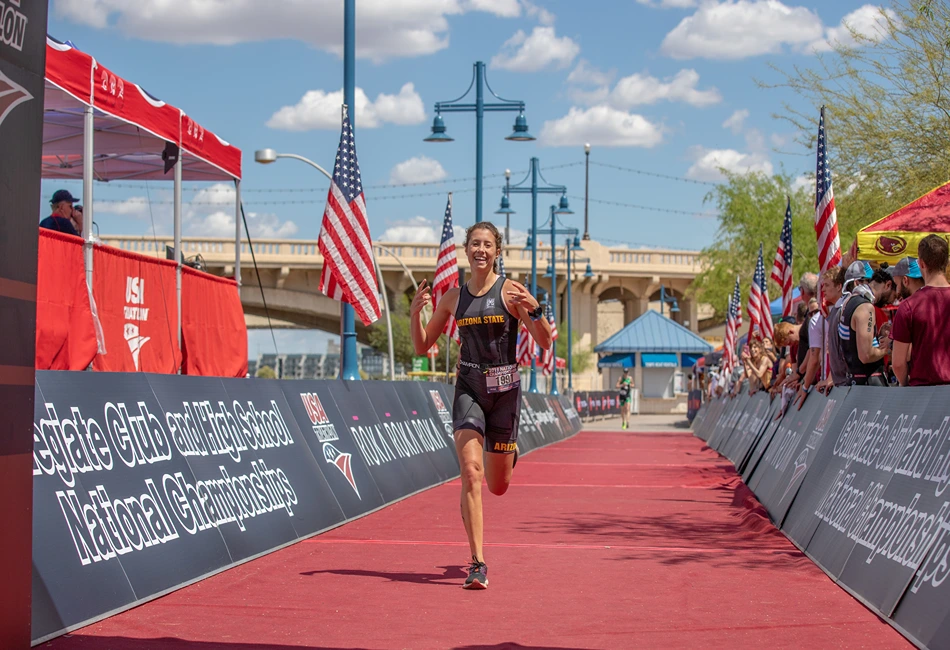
[{"x": 326, "y": 433}]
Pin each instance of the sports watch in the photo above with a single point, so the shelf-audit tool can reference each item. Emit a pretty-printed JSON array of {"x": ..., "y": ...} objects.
[{"x": 536, "y": 313}]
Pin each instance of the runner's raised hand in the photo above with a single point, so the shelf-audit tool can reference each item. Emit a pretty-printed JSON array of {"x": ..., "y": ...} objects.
[
  {"x": 421, "y": 300},
  {"x": 519, "y": 295}
]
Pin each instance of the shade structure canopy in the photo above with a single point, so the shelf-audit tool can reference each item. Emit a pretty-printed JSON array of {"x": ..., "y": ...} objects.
[
  {"x": 132, "y": 128},
  {"x": 896, "y": 236},
  {"x": 653, "y": 333}
]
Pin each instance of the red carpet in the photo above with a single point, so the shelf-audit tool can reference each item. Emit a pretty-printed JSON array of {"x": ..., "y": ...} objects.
[{"x": 607, "y": 540}]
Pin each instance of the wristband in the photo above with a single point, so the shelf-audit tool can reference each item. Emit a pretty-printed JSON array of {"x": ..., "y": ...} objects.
[{"x": 536, "y": 313}]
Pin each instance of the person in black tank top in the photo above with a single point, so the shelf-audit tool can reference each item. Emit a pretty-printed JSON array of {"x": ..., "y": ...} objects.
[{"x": 487, "y": 404}]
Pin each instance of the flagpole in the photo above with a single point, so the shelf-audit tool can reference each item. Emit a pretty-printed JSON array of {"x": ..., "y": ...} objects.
[{"x": 349, "y": 368}]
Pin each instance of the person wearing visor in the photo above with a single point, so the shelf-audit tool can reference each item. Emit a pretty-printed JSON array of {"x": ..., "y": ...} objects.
[
  {"x": 61, "y": 219},
  {"x": 625, "y": 386},
  {"x": 487, "y": 403}
]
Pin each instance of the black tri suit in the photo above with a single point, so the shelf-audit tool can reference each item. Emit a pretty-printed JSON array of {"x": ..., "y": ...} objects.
[{"x": 488, "y": 386}]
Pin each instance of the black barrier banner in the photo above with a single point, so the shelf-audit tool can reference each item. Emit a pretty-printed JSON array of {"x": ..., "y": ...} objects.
[
  {"x": 743, "y": 456},
  {"x": 711, "y": 418},
  {"x": 748, "y": 427},
  {"x": 328, "y": 435},
  {"x": 143, "y": 483},
  {"x": 728, "y": 421}
]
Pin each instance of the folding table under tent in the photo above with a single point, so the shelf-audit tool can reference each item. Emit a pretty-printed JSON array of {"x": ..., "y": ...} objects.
[
  {"x": 896, "y": 236},
  {"x": 99, "y": 126}
]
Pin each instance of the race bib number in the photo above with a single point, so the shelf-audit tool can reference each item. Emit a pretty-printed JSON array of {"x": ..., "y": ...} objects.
[{"x": 502, "y": 379}]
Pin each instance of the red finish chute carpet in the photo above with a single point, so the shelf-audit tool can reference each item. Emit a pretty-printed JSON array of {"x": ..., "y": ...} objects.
[{"x": 606, "y": 540}]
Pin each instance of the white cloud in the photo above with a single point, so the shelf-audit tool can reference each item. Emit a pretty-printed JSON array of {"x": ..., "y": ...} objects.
[
  {"x": 736, "y": 121},
  {"x": 418, "y": 169},
  {"x": 736, "y": 29},
  {"x": 319, "y": 109},
  {"x": 668, "y": 4},
  {"x": 869, "y": 22},
  {"x": 544, "y": 16},
  {"x": 209, "y": 213},
  {"x": 640, "y": 89},
  {"x": 418, "y": 230},
  {"x": 385, "y": 28},
  {"x": 584, "y": 74},
  {"x": 540, "y": 49},
  {"x": 804, "y": 180},
  {"x": 709, "y": 161},
  {"x": 601, "y": 126}
]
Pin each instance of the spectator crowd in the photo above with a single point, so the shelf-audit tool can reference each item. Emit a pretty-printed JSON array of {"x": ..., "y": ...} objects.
[{"x": 879, "y": 327}]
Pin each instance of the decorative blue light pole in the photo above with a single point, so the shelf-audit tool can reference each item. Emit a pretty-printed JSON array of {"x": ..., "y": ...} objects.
[
  {"x": 349, "y": 369},
  {"x": 519, "y": 134},
  {"x": 534, "y": 189},
  {"x": 561, "y": 208},
  {"x": 570, "y": 252},
  {"x": 671, "y": 299}
]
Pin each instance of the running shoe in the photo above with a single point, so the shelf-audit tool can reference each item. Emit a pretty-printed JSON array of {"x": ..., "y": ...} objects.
[
  {"x": 623, "y": 426},
  {"x": 477, "y": 575}
]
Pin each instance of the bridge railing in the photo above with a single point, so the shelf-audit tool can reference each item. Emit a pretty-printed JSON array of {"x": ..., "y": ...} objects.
[{"x": 289, "y": 252}]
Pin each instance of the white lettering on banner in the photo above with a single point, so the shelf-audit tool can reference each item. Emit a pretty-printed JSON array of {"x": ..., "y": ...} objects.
[
  {"x": 134, "y": 295},
  {"x": 12, "y": 25},
  {"x": 103, "y": 527},
  {"x": 383, "y": 443}
]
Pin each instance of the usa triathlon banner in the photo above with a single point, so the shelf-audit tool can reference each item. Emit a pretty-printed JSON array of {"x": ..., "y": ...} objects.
[
  {"x": 145, "y": 482},
  {"x": 596, "y": 403},
  {"x": 860, "y": 481}
]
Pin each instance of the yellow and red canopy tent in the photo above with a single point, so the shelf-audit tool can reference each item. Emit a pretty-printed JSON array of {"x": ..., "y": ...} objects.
[{"x": 896, "y": 236}]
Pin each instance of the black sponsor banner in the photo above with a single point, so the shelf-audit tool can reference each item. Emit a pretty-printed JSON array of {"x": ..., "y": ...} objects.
[
  {"x": 709, "y": 418},
  {"x": 748, "y": 426},
  {"x": 530, "y": 435},
  {"x": 744, "y": 456},
  {"x": 116, "y": 512},
  {"x": 581, "y": 403},
  {"x": 327, "y": 433},
  {"x": 389, "y": 473},
  {"x": 431, "y": 427},
  {"x": 728, "y": 421},
  {"x": 902, "y": 539}
]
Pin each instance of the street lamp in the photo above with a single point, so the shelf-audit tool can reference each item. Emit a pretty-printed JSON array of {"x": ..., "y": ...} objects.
[
  {"x": 586, "y": 186},
  {"x": 534, "y": 189},
  {"x": 505, "y": 208},
  {"x": 519, "y": 132},
  {"x": 674, "y": 305},
  {"x": 571, "y": 247},
  {"x": 349, "y": 368}
]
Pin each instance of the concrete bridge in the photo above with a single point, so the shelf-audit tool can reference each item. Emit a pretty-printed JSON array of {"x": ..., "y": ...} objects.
[{"x": 290, "y": 273}]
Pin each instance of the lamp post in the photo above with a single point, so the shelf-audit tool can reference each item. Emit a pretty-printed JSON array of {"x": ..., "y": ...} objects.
[
  {"x": 561, "y": 208},
  {"x": 505, "y": 208},
  {"x": 533, "y": 189},
  {"x": 671, "y": 299},
  {"x": 480, "y": 107},
  {"x": 586, "y": 186},
  {"x": 570, "y": 252}
]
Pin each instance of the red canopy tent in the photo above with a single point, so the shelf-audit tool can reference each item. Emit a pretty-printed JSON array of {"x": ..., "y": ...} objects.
[
  {"x": 99, "y": 126},
  {"x": 897, "y": 235}
]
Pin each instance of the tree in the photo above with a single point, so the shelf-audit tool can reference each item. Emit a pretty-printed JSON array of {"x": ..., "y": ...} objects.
[
  {"x": 266, "y": 372},
  {"x": 582, "y": 356},
  {"x": 888, "y": 107},
  {"x": 751, "y": 212}
]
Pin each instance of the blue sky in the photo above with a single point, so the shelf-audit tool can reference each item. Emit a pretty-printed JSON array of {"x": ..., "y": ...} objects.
[{"x": 664, "y": 86}]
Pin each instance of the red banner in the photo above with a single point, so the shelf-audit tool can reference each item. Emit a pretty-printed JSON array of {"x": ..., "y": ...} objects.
[
  {"x": 65, "y": 334},
  {"x": 136, "y": 300},
  {"x": 214, "y": 336}
]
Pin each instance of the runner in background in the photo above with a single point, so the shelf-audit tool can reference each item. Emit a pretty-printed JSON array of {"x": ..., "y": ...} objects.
[
  {"x": 625, "y": 386},
  {"x": 488, "y": 387}
]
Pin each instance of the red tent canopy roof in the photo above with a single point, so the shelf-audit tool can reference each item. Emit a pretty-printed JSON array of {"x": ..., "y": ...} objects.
[
  {"x": 131, "y": 127},
  {"x": 929, "y": 213}
]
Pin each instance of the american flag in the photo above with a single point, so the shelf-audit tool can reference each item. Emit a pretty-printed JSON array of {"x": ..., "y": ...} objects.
[
  {"x": 733, "y": 323},
  {"x": 782, "y": 267},
  {"x": 446, "y": 269},
  {"x": 760, "y": 315},
  {"x": 348, "y": 269},
  {"x": 527, "y": 349},
  {"x": 826, "y": 218},
  {"x": 549, "y": 356},
  {"x": 501, "y": 266}
]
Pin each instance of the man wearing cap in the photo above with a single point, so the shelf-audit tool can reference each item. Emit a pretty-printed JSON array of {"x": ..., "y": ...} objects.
[
  {"x": 857, "y": 328},
  {"x": 921, "y": 355},
  {"x": 61, "y": 218},
  {"x": 907, "y": 277}
]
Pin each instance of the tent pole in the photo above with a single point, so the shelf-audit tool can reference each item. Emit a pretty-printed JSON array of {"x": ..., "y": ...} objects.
[
  {"x": 237, "y": 233},
  {"x": 177, "y": 214},
  {"x": 88, "y": 160}
]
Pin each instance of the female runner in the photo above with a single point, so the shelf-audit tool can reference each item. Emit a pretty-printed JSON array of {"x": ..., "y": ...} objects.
[{"x": 488, "y": 387}]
